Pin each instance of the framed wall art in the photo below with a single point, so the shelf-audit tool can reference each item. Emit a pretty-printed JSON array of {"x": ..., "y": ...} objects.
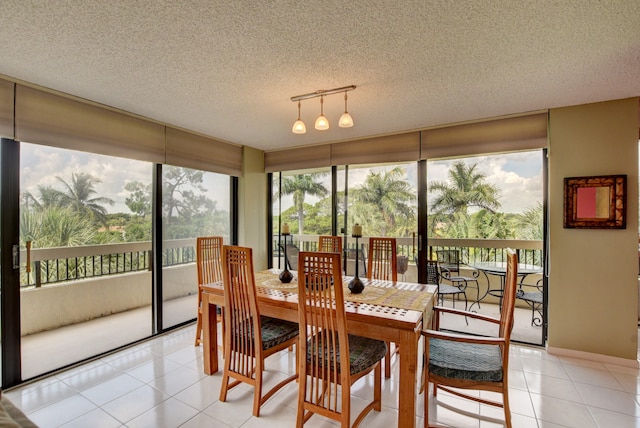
[{"x": 598, "y": 202}]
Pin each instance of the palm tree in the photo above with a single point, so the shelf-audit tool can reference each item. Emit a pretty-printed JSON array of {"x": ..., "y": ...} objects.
[
  {"x": 301, "y": 185},
  {"x": 384, "y": 203},
  {"x": 529, "y": 224},
  {"x": 77, "y": 196},
  {"x": 55, "y": 227},
  {"x": 465, "y": 188}
]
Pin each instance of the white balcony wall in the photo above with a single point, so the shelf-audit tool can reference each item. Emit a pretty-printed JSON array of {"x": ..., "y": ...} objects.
[{"x": 67, "y": 303}]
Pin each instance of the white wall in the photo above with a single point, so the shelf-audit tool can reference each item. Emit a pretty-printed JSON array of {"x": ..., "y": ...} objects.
[{"x": 68, "y": 303}]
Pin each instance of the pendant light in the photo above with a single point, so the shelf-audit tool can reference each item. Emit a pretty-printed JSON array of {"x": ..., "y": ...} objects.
[
  {"x": 322, "y": 124},
  {"x": 346, "y": 121},
  {"x": 298, "y": 126}
]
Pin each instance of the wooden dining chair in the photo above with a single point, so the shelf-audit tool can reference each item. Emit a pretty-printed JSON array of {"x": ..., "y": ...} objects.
[
  {"x": 330, "y": 359},
  {"x": 472, "y": 362},
  {"x": 381, "y": 262},
  {"x": 209, "y": 267},
  {"x": 330, "y": 244},
  {"x": 382, "y": 265},
  {"x": 249, "y": 338}
]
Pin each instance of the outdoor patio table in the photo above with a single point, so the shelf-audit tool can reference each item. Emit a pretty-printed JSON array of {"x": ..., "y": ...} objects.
[{"x": 499, "y": 269}]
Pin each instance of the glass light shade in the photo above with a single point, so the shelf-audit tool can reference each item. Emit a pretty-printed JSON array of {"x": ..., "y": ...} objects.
[
  {"x": 299, "y": 127},
  {"x": 346, "y": 121},
  {"x": 322, "y": 124}
]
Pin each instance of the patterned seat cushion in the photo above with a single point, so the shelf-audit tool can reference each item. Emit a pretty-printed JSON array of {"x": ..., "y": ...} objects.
[
  {"x": 531, "y": 296},
  {"x": 363, "y": 353},
  {"x": 448, "y": 289},
  {"x": 468, "y": 361},
  {"x": 275, "y": 331}
]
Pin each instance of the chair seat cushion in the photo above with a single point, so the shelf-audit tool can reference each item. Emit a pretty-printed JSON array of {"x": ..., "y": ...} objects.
[
  {"x": 459, "y": 278},
  {"x": 275, "y": 331},
  {"x": 531, "y": 296},
  {"x": 448, "y": 289},
  {"x": 467, "y": 361},
  {"x": 363, "y": 353}
]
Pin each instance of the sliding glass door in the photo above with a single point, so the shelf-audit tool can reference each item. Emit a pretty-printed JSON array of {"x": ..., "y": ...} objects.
[
  {"x": 85, "y": 239},
  {"x": 194, "y": 203}
]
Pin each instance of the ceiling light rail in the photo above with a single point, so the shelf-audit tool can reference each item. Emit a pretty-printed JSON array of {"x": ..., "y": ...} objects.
[{"x": 322, "y": 123}]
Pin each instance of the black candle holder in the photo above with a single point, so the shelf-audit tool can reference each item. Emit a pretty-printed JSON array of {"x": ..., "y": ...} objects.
[
  {"x": 356, "y": 285},
  {"x": 285, "y": 276}
]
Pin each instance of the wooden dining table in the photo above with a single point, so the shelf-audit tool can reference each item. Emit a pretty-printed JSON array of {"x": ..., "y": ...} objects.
[{"x": 385, "y": 310}]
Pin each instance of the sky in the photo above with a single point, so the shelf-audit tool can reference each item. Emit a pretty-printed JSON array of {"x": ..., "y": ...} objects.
[
  {"x": 40, "y": 165},
  {"x": 517, "y": 175}
]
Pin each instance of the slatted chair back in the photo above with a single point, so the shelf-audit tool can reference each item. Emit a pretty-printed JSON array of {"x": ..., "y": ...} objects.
[
  {"x": 241, "y": 311},
  {"x": 382, "y": 259},
  {"x": 322, "y": 323},
  {"x": 209, "y": 259},
  {"x": 330, "y": 244},
  {"x": 331, "y": 360},
  {"x": 248, "y": 337},
  {"x": 209, "y": 268}
]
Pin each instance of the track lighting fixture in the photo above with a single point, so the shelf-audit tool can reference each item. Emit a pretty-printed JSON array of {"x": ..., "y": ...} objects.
[{"x": 322, "y": 123}]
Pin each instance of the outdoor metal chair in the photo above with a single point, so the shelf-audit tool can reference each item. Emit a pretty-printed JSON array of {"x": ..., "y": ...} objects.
[
  {"x": 534, "y": 299},
  {"x": 434, "y": 276},
  {"x": 291, "y": 256},
  {"x": 362, "y": 262},
  {"x": 449, "y": 261}
]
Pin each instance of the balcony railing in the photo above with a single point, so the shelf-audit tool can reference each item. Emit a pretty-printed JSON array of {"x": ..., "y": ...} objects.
[
  {"x": 471, "y": 250},
  {"x": 53, "y": 265}
]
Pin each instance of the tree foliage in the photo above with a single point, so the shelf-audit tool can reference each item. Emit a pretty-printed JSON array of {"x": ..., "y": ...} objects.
[
  {"x": 385, "y": 203},
  {"x": 301, "y": 185}
]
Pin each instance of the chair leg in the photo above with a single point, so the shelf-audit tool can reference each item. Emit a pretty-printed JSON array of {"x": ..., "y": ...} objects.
[
  {"x": 507, "y": 410},
  {"x": 387, "y": 362},
  {"x": 198, "y": 328},
  {"x": 426, "y": 404},
  {"x": 257, "y": 391},
  {"x": 377, "y": 388}
]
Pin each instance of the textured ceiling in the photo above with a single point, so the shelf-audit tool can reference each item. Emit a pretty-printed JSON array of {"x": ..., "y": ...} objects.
[{"x": 228, "y": 68}]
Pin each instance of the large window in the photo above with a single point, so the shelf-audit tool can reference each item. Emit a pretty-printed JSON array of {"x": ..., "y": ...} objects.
[
  {"x": 489, "y": 197},
  {"x": 301, "y": 199},
  {"x": 478, "y": 206},
  {"x": 85, "y": 223},
  {"x": 383, "y": 200},
  {"x": 194, "y": 203}
]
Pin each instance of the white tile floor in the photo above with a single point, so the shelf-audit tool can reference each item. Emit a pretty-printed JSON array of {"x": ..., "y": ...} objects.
[{"x": 160, "y": 383}]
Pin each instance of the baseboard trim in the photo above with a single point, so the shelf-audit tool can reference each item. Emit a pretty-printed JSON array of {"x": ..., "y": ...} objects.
[{"x": 593, "y": 357}]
